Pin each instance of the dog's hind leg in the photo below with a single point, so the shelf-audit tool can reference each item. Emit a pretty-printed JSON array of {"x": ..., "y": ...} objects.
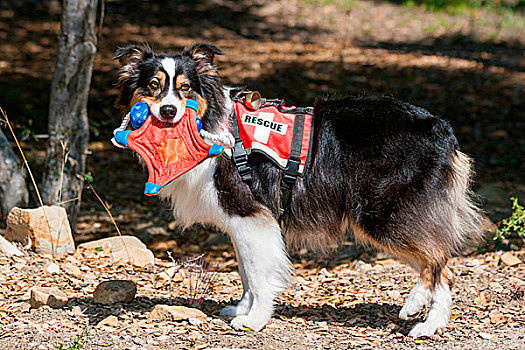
[
  {"x": 261, "y": 251},
  {"x": 433, "y": 285},
  {"x": 437, "y": 280},
  {"x": 419, "y": 297}
]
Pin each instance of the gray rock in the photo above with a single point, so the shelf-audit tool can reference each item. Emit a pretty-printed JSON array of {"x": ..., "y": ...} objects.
[
  {"x": 110, "y": 321},
  {"x": 52, "y": 268},
  {"x": 52, "y": 297},
  {"x": 72, "y": 270},
  {"x": 7, "y": 248},
  {"x": 493, "y": 195},
  {"x": 124, "y": 249},
  {"x": 175, "y": 313},
  {"x": 217, "y": 239},
  {"x": 45, "y": 229},
  {"x": 510, "y": 259},
  {"x": 115, "y": 291}
]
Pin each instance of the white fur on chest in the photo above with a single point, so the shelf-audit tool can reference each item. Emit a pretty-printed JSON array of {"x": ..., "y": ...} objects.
[{"x": 194, "y": 198}]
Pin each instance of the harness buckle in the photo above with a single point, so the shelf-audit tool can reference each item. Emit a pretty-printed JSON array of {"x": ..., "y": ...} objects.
[
  {"x": 240, "y": 159},
  {"x": 246, "y": 173},
  {"x": 291, "y": 172}
]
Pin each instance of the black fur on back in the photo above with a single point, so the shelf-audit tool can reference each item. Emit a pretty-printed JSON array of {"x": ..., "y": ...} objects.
[
  {"x": 377, "y": 163},
  {"x": 374, "y": 157}
]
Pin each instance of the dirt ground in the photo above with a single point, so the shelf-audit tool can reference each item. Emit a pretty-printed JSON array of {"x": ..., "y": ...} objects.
[
  {"x": 468, "y": 68},
  {"x": 336, "y": 303}
]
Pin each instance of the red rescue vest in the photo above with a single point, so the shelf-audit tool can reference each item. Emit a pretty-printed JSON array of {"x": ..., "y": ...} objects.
[{"x": 276, "y": 132}]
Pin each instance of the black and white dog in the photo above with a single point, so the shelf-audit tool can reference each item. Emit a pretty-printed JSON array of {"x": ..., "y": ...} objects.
[{"x": 388, "y": 171}]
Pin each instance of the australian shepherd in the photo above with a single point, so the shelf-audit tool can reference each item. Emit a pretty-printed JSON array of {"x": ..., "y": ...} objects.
[{"x": 389, "y": 172}]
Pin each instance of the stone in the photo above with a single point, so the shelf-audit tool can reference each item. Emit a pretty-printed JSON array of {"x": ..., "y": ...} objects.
[
  {"x": 7, "y": 248},
  {"x": 72, "y": 260},
  {"x": 194, "y": 321},
  {"x": 115, "y": 291},
  {"x": 173, "y": 225},
  {"x": 46, "y": 230},
  {"x": 509, "y": 259},
  {"x": 110, "y": 321},
  {"x": 52, "y": 268},
  {"x": 52, "y": 297},
  {"x": 72, "y": 269},
  {"x": 485, "y": 336},
  {"x": 362, "y": 266},
  {"x": 175, "y": 313},
  {"x": 495, "y": 286},
  {"x": 124, "y": 249},
  {"x": 22, "y": 307},
  {"x": 76, "y": 310},
  {"x": 171, "y": 274},
  {"x": 394, "y": 294}
]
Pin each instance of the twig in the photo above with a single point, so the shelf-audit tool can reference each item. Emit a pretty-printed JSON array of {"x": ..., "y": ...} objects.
[
  {"x": 101, "y": 21},
  {"x": 6, "y": 119},
  {"x": 210, "y": 280},
  {"x": 110, "y": 216},
  {"x": 64, "y": 160},
  {"x": 69, "y": 200}
]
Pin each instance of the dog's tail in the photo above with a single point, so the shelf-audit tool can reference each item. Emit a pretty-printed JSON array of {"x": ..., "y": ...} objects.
[{"x": 468, "y": 225}]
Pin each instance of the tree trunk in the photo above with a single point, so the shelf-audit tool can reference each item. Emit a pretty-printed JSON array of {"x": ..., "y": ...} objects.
[
  {"x": 13, "y": 189},
  {"x": 68, "y": 123}
]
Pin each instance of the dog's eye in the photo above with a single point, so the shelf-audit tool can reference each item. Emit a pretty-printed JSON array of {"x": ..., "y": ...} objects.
[
  {"x": 154, "y": 84},
  {"x": 185, "y": 87}
]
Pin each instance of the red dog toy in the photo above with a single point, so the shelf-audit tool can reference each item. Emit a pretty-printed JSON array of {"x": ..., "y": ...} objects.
[{"x": 169, "y": 150}]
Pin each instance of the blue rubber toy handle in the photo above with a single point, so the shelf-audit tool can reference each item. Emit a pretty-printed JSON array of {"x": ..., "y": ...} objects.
[
  {"x": 138, "y": 114},
  {"x": 192, "y": 104},
  {"x": 122, "y": 137}
]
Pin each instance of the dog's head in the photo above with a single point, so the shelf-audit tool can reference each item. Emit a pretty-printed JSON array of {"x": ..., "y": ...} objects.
[{"x": 164, "y": 81}]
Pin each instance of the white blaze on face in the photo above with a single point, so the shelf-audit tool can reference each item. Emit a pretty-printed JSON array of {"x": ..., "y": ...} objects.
[{"x": 171, "y": 97}]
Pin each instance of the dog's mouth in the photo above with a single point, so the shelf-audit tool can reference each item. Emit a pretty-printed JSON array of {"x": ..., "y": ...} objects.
[{"x": 168, "y": 113}]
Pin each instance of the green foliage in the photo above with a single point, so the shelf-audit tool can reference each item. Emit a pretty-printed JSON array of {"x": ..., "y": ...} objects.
[
  {"x": 78, "y": 343},
  {"x": 514, "y": 223},
  {"x": 89, "y": 177}
]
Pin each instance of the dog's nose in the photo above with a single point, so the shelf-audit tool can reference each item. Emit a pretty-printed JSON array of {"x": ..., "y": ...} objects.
[{"x": 168, "y": 111}]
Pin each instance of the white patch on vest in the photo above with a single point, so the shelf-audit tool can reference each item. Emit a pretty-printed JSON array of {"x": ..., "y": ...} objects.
[{"x": 264, "y": 124}]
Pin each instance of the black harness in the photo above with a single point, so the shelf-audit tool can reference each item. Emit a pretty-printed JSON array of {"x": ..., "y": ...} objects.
[{"x": 241, "y": 157}]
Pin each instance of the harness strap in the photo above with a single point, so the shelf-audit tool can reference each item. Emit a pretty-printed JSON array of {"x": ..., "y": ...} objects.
[
  {"x": 291, "y": 172},
  {"x": 292, "y": 168},
  {"x": 239, "y": 154}
]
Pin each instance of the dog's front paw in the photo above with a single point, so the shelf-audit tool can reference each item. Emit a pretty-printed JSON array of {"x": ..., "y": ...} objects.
[
  {"x": 425, "y": 329},
  {"x": 248, "y": 322},
  {"x": 241, "y": 309},
  {"x": 232, "y": 311},
  {"x": 416, "y": 300}
]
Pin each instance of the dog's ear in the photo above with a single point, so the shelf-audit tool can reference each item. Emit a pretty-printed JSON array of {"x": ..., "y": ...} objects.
[
  {"x": 131, "y": 56},
  {"x": 203, "y": 55}
]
